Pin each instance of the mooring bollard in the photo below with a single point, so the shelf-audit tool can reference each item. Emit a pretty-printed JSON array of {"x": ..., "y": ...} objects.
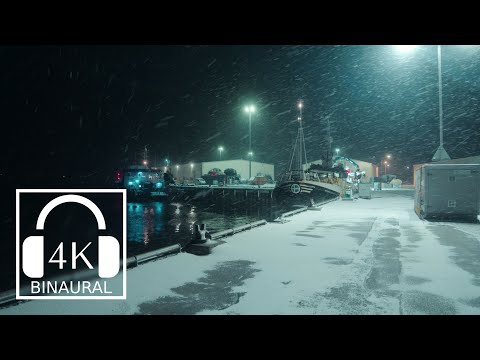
[
  {"x": 202, "y": 243},
  {"x": 201, "y": 234}
]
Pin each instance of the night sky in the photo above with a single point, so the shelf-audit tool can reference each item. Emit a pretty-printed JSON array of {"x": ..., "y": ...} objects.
[{"x": 81, "y": 109}]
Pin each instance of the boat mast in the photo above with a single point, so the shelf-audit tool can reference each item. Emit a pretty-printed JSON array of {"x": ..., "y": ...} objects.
[
  {"x": 302, "y": 153},
  {"x": 329, "y": 140},
  {"x": 301, "y": 138},
  {"x": 301, "y": 144}
]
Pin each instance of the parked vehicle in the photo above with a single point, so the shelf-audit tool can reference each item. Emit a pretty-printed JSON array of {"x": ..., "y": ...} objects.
[
  {"x": 215, "y": 172},
  {"x": 261, "y": 179},
  {"x": 200, "y": 181}
]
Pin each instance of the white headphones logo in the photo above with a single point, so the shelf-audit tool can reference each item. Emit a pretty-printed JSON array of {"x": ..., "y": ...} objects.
[{"x": 108, "y": 246}]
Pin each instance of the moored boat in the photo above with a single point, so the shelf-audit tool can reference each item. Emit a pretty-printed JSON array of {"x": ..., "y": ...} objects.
[
  {"x": 304, "y": 185},
  {"x": 141, "y": 182}
]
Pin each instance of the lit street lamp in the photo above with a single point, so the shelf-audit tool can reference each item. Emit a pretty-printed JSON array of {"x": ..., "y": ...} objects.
[
  {"x": 388, "y": 156},
  {"x": 220, "y": 149},
  {"x": 145, "y": 162},
  {"x": 386, "y": 164},
  {"x": 337, "y": 150},
  {"x": 441, "y": 153},
  {"x": 191, "y": 167},
  {"x": 250, "y": 110}
]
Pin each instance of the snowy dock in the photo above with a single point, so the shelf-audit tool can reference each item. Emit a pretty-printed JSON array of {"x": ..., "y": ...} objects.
[{"x": 367, "y": 256}]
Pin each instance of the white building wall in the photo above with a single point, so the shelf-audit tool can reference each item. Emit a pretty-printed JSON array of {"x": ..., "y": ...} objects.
[
  {"x": 263, "y": 168},
  {"x": 185, "y": 172},
  {"x": 369, "y": 168}
]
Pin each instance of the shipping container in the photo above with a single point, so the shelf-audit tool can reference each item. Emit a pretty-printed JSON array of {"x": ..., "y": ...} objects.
[
  {"x": 364, "y": 190},
  {"x": 447, "y": 191}
]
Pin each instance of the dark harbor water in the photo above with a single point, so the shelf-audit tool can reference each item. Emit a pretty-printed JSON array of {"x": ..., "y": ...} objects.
[{"x": 156, "y": 224}]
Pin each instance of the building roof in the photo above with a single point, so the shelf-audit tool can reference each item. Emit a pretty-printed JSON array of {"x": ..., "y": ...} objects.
[{"x": 466, "y": 160}]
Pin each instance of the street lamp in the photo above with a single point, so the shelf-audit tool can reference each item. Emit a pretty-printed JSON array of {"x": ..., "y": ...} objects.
[
  {"x": 386, "y": 164},
  {"x": 337, "y": 150},
  {"x": 250, "y": 110},
  {"x": 145, "y": 162},
  {"x": 388, "y": 156},
  {"x": 220, "y": 149},
  {"x": 250, "y": 154},
  {"x": 191, "y": 168},
  {"x": 441, "y": 153}
]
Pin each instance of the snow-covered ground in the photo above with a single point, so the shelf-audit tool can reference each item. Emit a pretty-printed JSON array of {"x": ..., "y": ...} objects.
[{"x": 348, "y": 257}]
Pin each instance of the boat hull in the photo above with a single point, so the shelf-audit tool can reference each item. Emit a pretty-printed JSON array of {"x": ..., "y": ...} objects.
[{"x": 306, "y": 193}]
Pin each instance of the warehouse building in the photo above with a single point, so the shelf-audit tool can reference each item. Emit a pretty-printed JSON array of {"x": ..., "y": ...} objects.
[{"x": 187, "y": 172}]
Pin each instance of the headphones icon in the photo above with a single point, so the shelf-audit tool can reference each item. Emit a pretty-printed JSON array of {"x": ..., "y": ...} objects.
[{"x": 108, "y": 246}]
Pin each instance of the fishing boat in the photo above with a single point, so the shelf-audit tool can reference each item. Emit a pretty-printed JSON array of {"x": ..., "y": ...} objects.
[
  {"x": 303, "y": 184},
  {"x": 141, "y": 182}
]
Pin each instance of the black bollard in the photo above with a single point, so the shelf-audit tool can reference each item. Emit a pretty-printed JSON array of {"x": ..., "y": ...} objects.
[{"x": 201, "y": 234}]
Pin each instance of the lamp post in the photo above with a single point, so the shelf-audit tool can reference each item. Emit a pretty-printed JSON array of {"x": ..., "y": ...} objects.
[
  {"x": 250, "y": 110},
  {"x": 191, "y": 167},
  {"x": 250, "y": 155},
  {"x": 441, "y": 153},
  {"x": 386, "y": 163},
  {"x": 337, "y": 151},
  {"x": 220, "y": 149}
]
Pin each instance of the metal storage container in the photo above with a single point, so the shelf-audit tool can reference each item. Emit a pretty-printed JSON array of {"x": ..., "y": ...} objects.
[
  {"x": 364, "y": 190},
  {"x": 447, "y": 191}
]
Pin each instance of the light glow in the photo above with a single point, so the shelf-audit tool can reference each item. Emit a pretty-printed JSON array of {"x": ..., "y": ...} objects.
[{"x": 405, "y": 49}]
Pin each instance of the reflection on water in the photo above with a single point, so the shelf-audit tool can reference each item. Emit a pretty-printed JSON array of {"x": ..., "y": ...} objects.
[
  {"x": 153, "y": 225},
  {"x": 144, "y": 221}
]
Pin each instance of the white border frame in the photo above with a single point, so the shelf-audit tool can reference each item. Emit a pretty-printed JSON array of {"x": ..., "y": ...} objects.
[{"x": 71, "y": 191}]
